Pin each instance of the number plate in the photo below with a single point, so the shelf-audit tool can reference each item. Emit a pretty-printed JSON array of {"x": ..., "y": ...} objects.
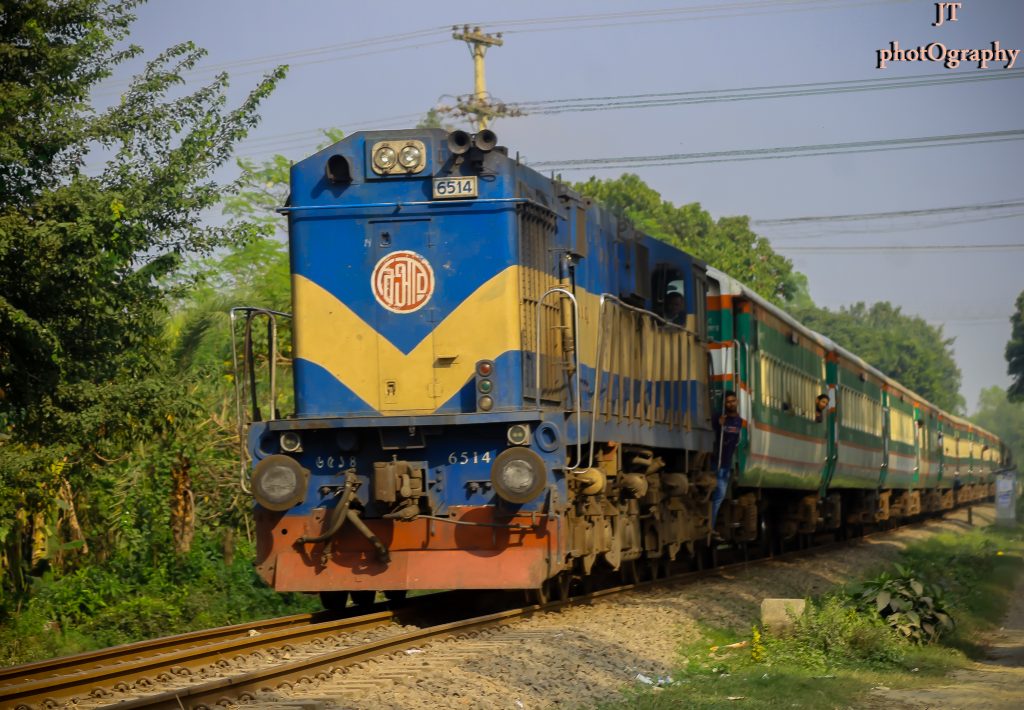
[{"x": 454, "y": 188}]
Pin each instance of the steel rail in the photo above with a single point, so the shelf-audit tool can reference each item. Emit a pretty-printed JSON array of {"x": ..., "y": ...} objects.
[
  {"x": 162, "y": 655},
  {"x": 49, "y": 667}
]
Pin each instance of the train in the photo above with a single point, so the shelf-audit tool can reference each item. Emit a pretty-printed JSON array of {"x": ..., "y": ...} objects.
[{"x": 491, "y": 392}]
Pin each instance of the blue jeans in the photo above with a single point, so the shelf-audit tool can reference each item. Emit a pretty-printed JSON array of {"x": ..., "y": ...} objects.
[{"x": 719, "y": 494}]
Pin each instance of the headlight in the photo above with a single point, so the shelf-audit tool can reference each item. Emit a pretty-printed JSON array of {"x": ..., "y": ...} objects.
[
  {"x": 410, "y": 157},
  {"x": 290, "y": 442},
  {"x": 518, "y": 475},
  {"x": 384, "y": 158},
  {"x": 401, "y": 158},
  {"x": 279, "y": 482}
]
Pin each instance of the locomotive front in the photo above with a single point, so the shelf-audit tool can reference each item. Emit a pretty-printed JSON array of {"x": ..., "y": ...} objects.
[{"x": 413, "y": 460}]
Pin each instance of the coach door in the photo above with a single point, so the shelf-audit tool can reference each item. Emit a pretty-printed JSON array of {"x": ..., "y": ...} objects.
[{"x": 919, "y": 436}]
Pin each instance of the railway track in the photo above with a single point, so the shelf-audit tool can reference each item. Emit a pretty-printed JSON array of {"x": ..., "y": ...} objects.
[
  {"x": 233, "y": 664},
  {"x": 94, "y": 678}
]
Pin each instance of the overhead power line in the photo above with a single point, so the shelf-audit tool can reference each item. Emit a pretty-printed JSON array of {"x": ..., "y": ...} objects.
[
  {"x": 828, "y": 226},
  {"x": 827, "y": 230},
  {"x": 685, "y": 98},
  {"x": 116, "y": 87},
  {"x": 799, "y": 151},
  {"x": 975, "y": 207},
  {"x": 416, "y": 39},
  {"x": 344, "y": 50},
  {"x": 267, "y": 144},
  {"x": 676, "y": 14},
  {"x": 903, "y": 247}
]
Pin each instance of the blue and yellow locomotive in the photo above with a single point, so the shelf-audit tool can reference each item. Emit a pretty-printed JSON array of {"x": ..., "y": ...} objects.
[{"x": 490, "y": 392}]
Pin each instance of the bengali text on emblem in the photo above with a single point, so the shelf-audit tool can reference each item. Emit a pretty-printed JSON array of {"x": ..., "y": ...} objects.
[{"x": 402, "y": 282}]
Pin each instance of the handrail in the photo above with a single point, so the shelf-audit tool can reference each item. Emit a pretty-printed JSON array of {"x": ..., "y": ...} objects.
[
  {"x": 576, "y": 353},
  {"x": 249, "y": 365},
  {"x": 596, "y": 394}
]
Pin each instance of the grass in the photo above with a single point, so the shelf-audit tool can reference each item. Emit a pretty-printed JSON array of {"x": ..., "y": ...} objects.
[
  {"x": 102, "y": 606},
  {"x": 835, "y": 653}
]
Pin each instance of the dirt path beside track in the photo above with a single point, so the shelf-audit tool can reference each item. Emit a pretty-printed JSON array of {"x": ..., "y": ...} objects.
[{"x": 996, "y": 683}]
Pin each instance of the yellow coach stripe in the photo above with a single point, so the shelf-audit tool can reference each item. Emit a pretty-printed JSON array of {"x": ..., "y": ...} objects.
[{"x": 331, "y": 335}]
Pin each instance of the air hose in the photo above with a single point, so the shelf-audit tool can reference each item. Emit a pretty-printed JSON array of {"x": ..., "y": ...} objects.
[
  {"x": 339, "y": 513},
  {"x": 343, "y": 512}
]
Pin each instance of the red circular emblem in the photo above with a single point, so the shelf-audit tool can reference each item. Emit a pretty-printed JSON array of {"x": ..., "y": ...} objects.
[{"x": 402, "y": 282}]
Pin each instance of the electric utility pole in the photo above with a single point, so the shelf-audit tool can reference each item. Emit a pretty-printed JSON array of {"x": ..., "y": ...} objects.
[{"x": 479, "y": 104}]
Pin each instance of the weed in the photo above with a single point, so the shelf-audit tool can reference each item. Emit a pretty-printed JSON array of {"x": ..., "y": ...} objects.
[
  {"x": 831, "y": 634},
  {"x": 912, "y": 606}
]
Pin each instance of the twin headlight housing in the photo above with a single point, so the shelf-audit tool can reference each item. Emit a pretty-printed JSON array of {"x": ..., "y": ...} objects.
[{"x": 402, "y": 157}]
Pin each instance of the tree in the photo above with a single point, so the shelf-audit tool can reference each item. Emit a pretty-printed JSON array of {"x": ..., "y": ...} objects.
[
  {"x": 904, "y": 347},
  {"x": 728, "y": 244},
  {"x": 1003, "y": 418},
  {"x": 1015, "y": 353},
  {"x": 89, "y": 262},
  {"x": 432, "y": 119}
]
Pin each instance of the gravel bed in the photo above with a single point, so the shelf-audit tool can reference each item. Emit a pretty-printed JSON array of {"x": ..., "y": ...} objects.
[{"x": 586, "y": 654}]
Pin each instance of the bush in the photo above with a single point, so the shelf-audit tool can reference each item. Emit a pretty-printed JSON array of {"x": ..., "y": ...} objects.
[
  {"x": 833, "y": 634},
  {"x": 129, "y": 598},
  {"x": 915, "y": 608},
  {"x": 133, "y": 618}
]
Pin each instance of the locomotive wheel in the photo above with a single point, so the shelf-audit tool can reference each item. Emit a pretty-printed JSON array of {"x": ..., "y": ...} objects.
[
  {"x": 562, "y": 583},
  {"x": 364, "y": 597},
  {"x": 540, "y": 596},
  {"x": 630, "y": 572},
  {"x": 396, "y": 595},
  {"x": 334, "y": 601},
  {"x": 584, "y": 584},
  {"x": 653, "y": 569}
]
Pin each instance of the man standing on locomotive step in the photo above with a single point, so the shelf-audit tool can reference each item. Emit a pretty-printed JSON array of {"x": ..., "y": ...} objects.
[{"x": 727, "y": 428}]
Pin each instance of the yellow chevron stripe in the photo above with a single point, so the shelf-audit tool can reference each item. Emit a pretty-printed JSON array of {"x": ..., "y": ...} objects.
[
  {"x": 483, "y": 327},
  {"x": 328, "y": 333}
]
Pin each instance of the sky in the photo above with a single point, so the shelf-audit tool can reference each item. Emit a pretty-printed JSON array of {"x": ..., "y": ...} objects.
[{"x": 383, "y": 64}]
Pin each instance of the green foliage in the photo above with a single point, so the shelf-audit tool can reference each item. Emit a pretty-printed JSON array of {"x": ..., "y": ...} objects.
[
  {"x": 835, "y": 651},
  {"x": 432, "y": 119},
  {"x": 1015, "y": 353},
  {"x": 134, "y": 599},
  {"x": 904, "y": 347},
  {"x": 52, "y": 55},
  {"x": 915, "y": 608},
  {"x": 1003, "y": 418},
  {"x": 728, "y": 244},
  {"x": 976, "y": 569},
  {"x": 831, "y": 634},
  {"x": 88, "y": 264},
  {"x": 263, "y": 187}
]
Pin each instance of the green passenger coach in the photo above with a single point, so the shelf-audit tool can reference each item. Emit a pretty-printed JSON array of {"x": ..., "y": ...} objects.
[{"x": 831, "y": 437}]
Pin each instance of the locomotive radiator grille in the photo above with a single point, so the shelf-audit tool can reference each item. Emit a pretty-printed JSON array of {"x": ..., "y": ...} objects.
[
  {"x": 537, "y": 275},
  {"x": 648, "y": 369}
]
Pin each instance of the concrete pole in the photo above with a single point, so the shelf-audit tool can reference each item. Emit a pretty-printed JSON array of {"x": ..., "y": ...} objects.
[{"x": 478, "y": 42}]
